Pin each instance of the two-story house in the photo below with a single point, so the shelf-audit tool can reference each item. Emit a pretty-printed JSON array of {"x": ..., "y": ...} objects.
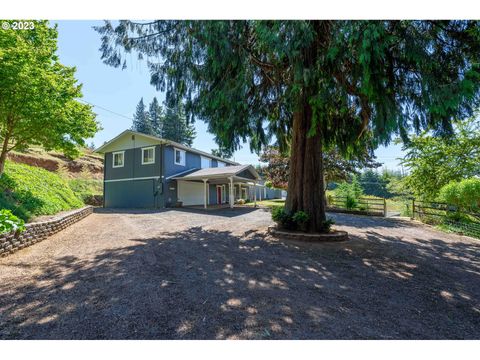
[{"x": 143, "y": 171}]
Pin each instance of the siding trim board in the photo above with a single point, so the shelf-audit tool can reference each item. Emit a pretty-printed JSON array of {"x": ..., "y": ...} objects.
[{"x": 136, "y": 178}]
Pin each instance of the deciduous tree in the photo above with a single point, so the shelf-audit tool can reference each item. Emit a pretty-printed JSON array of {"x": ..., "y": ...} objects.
[{"x": 38, "y": 95}]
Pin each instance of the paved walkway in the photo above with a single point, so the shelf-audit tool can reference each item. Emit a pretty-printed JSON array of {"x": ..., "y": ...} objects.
[{"x": 195, "y": 275}]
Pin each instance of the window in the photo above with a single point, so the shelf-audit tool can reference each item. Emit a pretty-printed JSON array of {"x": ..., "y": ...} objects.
[
  {"x": 148, "y": 155},
  {"x": 206, "y": 162},
  {"x": 179, "y": 157},
  {"x": 221, "y": 164},
  {"x": 118, "y": 159}
]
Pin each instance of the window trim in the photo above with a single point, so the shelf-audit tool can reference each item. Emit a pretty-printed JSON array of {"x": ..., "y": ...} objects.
[
  {"x": 210, "y": 162},
  {"x": 113, "y": 159},
  {"x": 182, "y": 163},
  {"x": 148, "y": 148}
]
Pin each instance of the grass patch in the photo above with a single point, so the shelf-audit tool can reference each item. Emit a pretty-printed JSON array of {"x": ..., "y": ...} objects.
[
  {"x": 269, "y": 203},
  {"x": 30, "y": 191}
]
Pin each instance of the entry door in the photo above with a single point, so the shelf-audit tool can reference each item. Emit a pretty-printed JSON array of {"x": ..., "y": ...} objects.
[{"x": 219, "y": 195}]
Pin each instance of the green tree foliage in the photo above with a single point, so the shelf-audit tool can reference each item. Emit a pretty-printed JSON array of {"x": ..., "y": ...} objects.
[
  {"x": 350, "y": 192},
  {"x": 435, "y": 161},
  {"x": 465, "y": 194},
  {"x": 38, "y": 95},
  {"x": 337, "y": 167},
  {"x": 176, "y": 127},
  {"x": 311, "y": 84},
  {"x": 155, "y": 114},
  {"x": 223, "y": 153},
  {"x": 141, "y": 120},
  {"x": 168, "y": 124}
]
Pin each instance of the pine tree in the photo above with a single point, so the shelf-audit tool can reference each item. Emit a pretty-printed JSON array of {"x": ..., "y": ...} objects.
[
  {"x": 176, "y": 127},
  {"x": 155, "y": 112},
  {"x": 141, "y": 120}
]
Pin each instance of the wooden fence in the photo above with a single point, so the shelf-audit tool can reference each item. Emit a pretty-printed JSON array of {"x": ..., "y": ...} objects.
[
  {"x": 365, "y": 205},
  {"x": 441, "y": 213}
]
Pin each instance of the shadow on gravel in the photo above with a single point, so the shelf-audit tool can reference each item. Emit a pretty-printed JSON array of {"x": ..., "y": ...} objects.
[{"x": 202, "y": 284}]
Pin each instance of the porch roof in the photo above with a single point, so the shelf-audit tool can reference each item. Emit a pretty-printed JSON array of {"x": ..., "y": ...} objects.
[{"x": 220, "y": 173}]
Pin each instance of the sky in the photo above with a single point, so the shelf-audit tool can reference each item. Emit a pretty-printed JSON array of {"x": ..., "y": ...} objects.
[{"x": 115, "y": 92}]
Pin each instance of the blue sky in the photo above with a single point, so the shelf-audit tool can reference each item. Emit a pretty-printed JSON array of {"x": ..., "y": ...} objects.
[{"x": 120, "y": 90}]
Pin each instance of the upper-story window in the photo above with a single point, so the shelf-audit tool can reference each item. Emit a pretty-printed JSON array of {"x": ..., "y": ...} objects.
[
  {"x": 221, "y": 164},
  {"x": 118, "y": 159},
  {"x": 206, "y": 162},
  {"x": 148, "y": 155},
  {"x": 179, "y": 157}
]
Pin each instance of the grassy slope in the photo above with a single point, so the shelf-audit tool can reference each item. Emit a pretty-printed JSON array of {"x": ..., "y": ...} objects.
[{"x": 29, "y": 191}]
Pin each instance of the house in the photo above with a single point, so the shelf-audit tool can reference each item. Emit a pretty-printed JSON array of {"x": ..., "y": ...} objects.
[{"x": 144, "y": 171}]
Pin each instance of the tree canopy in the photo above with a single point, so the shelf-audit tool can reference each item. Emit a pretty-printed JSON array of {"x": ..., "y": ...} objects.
[
  {"x": 434, "y": 162},
  {"x": 38, "y": 95},
  {"x": 311, "y": 84}
]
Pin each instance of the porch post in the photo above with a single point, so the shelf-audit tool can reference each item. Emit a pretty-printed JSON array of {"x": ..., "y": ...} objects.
[
  {"x": 205, "y": 193},
  {"x": 230, "y": 188},
  {"x": 260, "y": 189},
  {"x": 254, "y": 194}
]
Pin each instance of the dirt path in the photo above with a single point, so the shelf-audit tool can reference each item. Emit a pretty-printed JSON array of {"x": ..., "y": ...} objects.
[{"x": 195, "y": 275}]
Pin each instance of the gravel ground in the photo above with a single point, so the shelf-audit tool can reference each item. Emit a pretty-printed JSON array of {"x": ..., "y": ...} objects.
[{"x": 194, "y": 275}]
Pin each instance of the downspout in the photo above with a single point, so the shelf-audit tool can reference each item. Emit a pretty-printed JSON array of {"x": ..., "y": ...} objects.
[{"x": 104, "y": 173}]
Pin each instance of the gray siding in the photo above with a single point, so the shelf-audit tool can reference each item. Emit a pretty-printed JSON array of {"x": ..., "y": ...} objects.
[{"x": 132, "y": 167}]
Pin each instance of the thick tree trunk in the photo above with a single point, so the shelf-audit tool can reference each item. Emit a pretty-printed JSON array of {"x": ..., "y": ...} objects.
[{"x": 306, "y": 179}]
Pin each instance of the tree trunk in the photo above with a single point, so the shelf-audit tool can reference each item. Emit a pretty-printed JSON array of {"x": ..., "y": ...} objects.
[
  {"x": 3, "y": 154},
  {"x": 306, "y": 179}
]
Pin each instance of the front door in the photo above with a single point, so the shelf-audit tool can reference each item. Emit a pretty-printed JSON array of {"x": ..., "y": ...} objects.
[{"x": 219, "y": 195}]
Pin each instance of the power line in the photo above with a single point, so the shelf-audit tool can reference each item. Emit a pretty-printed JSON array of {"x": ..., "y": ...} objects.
[{"x": 103, "y": 108}]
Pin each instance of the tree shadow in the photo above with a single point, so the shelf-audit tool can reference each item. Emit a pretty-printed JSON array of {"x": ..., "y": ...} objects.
[
  {"x": 222, "y": 212},
  {"x": 210, "y": 284}
]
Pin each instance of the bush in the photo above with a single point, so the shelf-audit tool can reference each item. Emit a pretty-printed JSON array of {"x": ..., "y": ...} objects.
[
  {"x": 10, "y": 222},
  {"x": 241, "y": 202},
  {"x": 283, "y": 219},
  {"x": 301, "y": 219},
  {"x": 327, "y": 226},
  {"x": 465, "y": 194}
]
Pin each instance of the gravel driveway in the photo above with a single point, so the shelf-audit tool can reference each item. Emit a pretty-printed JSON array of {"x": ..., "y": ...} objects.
[{"x": 194, "y": 275}]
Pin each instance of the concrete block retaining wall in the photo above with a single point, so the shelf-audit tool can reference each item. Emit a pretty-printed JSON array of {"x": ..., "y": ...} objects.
[{"x": 35, "y": 232}]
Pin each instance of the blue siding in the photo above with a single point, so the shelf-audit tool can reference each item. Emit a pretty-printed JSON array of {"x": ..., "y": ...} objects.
[{"x": 192, "y": 161}]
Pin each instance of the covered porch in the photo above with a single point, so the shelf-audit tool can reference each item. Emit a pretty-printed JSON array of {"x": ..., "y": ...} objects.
[{"x": 228, "y": 184}]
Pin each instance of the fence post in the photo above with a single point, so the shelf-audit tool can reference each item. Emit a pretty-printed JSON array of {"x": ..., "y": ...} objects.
[
  {"x": 413, "y": 209},
  {"x": 384, "y": 207}
]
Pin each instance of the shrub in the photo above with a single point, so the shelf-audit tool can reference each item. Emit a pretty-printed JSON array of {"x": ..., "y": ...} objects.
[
  {"x": 327, "y": 226},
  {"x": 464, "y": 194},
  {"x": 283, "y": 219},
  {"x": 10, "y": 222},
  {"x": 241, "y": 202},
  {"x": 301, "y": 219}
]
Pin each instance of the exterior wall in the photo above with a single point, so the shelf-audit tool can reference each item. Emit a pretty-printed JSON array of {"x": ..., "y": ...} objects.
[
  {"x": 132, "y": 167},
  {"x": 36, "y": 232}
]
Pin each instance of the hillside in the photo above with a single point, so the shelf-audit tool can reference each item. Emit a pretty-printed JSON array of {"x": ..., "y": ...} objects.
[
  {"x": 38, "y": 182},
  {"x": 31, "y": 191},
  {"x": 89, "y": 162}
]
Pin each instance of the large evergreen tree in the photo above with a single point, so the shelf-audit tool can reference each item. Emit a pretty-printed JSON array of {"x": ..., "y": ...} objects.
[
  {"x": 156, "y": 116},
  {"x": 141, "y": 120},
  {"x": 176, "y": 127},
  {"x": 312, "y": 84}
]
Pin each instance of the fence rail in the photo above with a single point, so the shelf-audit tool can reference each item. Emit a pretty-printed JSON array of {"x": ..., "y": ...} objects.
[
  {"x": 362, "y": 205},
  {"x": 446, "y": 214}
]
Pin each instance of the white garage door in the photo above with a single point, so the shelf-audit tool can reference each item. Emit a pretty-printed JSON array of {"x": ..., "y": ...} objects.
[{"x": 190, "y": 193}]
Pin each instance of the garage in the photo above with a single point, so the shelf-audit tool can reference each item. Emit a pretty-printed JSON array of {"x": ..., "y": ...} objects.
[
  {"x": 130, "y": 194},
  {"x": 190, "y": 193}
]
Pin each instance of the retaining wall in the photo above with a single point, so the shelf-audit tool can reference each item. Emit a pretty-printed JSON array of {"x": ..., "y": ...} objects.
[{"x": 35, "y": 232}]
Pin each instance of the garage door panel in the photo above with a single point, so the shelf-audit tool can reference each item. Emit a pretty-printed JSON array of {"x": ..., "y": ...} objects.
[{"x": 190, "y": 193}]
